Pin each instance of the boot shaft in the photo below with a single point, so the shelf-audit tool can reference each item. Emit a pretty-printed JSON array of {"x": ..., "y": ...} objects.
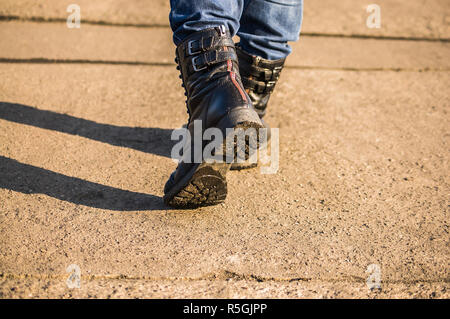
[
  {"x": 259, "y": 77},
  {"x": 209, "y": 69}
]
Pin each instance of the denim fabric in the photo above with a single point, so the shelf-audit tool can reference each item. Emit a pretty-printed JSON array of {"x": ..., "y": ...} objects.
[{"x": 264, "y": 26}]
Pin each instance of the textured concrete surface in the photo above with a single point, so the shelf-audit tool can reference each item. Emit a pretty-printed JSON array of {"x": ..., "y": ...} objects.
[
  {"x": 85, "y": 151},
  {"x": 105, "y": 43},
  {"x": 415, "y": 18},
  {"x": 220, "y": 288}
]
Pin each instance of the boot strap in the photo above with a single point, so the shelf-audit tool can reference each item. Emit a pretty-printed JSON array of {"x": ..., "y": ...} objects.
[
  {"x": 257, "y": 86},
  {"x": 202, "y": 61},
  {"x": 263, "y": 73},
  {"x": 260, "y": 69},
  {"x": 203, "y": 44}
]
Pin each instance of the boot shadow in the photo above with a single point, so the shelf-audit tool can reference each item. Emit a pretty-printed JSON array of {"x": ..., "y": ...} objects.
[
  {"x": 151, "y": 140},
  {"x": 30, "y": 179}
]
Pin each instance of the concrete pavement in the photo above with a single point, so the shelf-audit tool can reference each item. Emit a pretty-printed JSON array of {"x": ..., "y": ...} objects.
[
  {"x": 25, "y": 41},
  {"x": 412, "y": 19}
]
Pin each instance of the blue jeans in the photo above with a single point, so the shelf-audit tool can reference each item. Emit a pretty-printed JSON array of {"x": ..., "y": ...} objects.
[{"x": 263, "y": 26}]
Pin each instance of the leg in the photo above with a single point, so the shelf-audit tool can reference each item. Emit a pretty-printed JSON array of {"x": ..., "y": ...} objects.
[
  {"x": 216, "y": 100},
  {"x": 188, "y": 16},
  {"x": 268, "y": 25},
  {"x": 266, "y": 28}
]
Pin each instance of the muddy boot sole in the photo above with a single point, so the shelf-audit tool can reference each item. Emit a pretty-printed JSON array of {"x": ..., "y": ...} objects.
[
  {"x": 206, "y": 184},
  {"x": 247, "y": 164}
]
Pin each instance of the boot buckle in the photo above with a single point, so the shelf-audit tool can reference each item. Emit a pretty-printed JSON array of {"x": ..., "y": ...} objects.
[
  {"x": 196, "y": 46},
  {"x": 190, "y": 47},
  {"x": 194, "y": 64},
  {"x": 208, "y": 58}
]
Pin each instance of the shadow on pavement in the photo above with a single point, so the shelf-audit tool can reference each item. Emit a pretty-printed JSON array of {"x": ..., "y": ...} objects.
[
  {"x": 149, "y": 140},
  {"x": 30, "y": 179}
]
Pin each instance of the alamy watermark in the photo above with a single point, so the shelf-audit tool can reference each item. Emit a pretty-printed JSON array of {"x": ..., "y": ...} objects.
[
  {"x": 374, "y": 19},
  {"x": 235, "y": 145},
  {"x": 74, "y": 19},
  {"x": 74, "y": 279},
  {"x": 374, "y": 279}
]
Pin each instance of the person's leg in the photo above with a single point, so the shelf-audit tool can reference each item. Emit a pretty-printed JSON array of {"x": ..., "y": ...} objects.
[
  {"x": 266, "y": 27},
  {"x": 216, "y": 100},
  {"x": 188, "y": 16}
]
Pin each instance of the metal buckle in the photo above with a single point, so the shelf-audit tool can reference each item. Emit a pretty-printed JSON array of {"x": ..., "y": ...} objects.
[
  {"x": 195, "y": 66},
  {"x": 222, "y": 30},
  {"x": 189, "y": 47},
  {"x": 268, "y": 74},
  {"x": 269, "y": 87}
]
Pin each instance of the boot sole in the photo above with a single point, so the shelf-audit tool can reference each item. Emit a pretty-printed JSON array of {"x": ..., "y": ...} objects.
[
  {"x": 247, "y": 164},
  {"x": 206, "y": 184},
  {"x": 239, "y": 167}
]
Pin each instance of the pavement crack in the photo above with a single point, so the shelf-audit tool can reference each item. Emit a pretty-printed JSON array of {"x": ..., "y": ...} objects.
[
  {"x": 220, "y": 275},
  {"x": 165, "y": 64},
  {"x": 85, "y": 21},
  {"x": 372, "y": 37},
  {"x": 81, "y": 61},
  {"x": 167, "y": 26}
]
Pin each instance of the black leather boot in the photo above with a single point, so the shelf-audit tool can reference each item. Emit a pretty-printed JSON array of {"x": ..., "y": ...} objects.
[
  {"x": 216, "y": 97},
  {"x": 259, "y": 77}
]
